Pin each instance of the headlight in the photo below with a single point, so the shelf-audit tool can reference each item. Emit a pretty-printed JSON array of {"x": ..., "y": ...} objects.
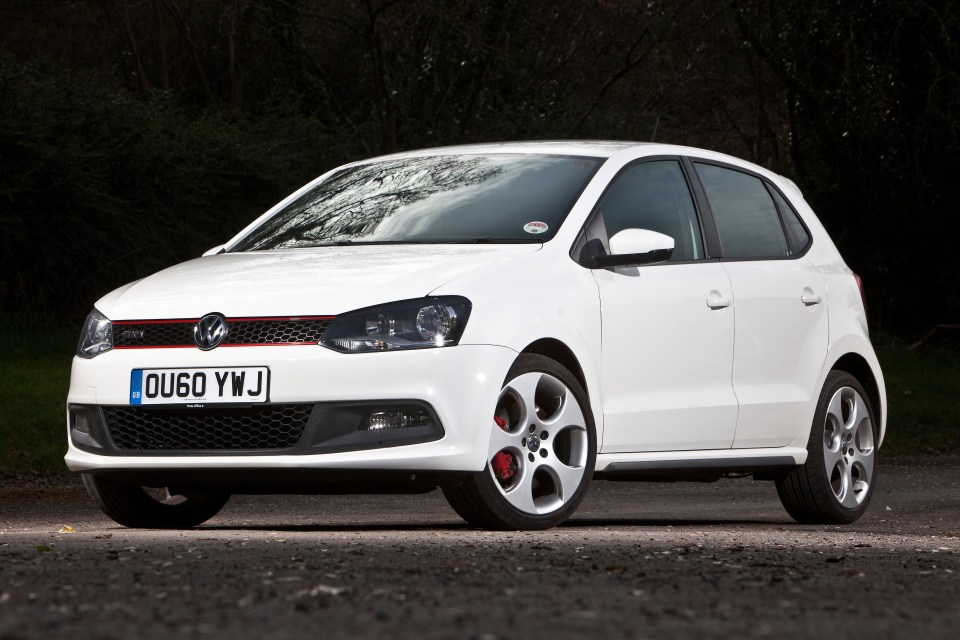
[
  {"x": 410, "y": 324},
  {"x": 96, "y": 336}
]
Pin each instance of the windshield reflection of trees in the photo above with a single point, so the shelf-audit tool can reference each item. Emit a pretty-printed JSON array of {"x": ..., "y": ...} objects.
[{"x": 352, "y": 205}]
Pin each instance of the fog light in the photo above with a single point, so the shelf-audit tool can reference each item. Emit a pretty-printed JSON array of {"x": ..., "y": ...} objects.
[
  {"x": 401, "y": 418},
  {"x": 82, "y": 429}
]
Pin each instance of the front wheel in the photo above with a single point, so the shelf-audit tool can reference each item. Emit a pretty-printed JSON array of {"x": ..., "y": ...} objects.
[
  {"x": 836, "y": 483},
  {"x": 541, "y": 455},
  {"x": 143, "y": 508}
]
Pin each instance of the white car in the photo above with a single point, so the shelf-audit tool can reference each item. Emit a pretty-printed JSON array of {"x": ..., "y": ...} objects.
[{"x": 503, "y": 321}]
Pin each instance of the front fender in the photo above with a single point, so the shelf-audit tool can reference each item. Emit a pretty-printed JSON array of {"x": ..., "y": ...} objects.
[{"x": 538, "y": 296}]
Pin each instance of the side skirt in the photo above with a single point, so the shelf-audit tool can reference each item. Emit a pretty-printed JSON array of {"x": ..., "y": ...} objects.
[{"x": 699, "y": 466}]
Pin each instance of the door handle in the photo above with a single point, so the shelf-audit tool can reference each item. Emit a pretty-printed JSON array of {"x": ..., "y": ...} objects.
[
  {"x": 716, "y": 300},
  {"x": 809, "y": 298}
]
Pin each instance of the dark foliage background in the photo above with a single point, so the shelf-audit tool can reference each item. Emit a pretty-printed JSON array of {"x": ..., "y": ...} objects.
[{"x": 137, "y": 133}]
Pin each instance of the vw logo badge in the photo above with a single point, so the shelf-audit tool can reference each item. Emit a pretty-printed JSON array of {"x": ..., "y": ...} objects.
[{"x": 210, "y": 331}]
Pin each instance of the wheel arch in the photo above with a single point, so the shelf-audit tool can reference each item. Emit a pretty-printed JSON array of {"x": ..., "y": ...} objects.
[
  {"x": 857, "y": 366},
  {"x": 557, "y": 350}
]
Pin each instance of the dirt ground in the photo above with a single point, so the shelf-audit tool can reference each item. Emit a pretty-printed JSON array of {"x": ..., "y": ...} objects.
[{"x": 638, "y": 561}]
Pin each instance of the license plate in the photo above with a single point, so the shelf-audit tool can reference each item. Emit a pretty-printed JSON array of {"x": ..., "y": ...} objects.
[{"x": 199, "y": 386}]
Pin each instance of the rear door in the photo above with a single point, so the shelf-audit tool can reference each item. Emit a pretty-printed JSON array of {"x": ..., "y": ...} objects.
[{"x": 780, "y": 338}]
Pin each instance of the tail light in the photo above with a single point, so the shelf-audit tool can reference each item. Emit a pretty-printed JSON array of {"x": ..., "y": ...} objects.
[{"x": 863, "y": 294}]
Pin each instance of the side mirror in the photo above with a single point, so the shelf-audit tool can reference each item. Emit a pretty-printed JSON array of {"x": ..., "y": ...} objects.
[
  {"x": 214, "y": 251},
  {"x": 634, "y": 247}
]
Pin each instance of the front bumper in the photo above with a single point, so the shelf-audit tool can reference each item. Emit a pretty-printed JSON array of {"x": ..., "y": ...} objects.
[{"x": 459, "y": 384}]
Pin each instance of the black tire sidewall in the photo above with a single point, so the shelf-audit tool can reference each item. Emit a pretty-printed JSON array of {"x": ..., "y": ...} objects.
[{"x": 129, "y": 504}]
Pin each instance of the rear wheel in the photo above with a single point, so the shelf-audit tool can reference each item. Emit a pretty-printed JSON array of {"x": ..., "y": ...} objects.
[
  {"x": 836, "y": 483},
  {"x": 146, "y": 508},
  {"x": 541, "y": 454}
]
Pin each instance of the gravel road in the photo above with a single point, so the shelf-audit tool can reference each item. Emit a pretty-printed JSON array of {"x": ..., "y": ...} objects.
[{"x": 638, "y": 561}]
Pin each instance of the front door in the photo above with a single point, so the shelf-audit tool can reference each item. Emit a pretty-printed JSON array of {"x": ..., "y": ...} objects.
[{"x": 667, "y": 329}]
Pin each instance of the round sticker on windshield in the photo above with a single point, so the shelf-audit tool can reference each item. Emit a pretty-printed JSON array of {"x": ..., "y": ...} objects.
[{"x": 535, "y": 227}]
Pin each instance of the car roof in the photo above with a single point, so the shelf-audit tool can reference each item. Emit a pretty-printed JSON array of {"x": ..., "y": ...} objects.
[{"x": 595, "y": 148}]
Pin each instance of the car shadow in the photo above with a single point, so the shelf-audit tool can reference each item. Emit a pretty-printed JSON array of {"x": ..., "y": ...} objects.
[
  {"x": 672, "y": 522},
  {"x": 581, "y": 523},
  {"x": 319, "y": 528}
]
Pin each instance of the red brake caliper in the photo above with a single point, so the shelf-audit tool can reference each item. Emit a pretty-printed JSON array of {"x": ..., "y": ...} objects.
[{"x": 503, "y": 465}]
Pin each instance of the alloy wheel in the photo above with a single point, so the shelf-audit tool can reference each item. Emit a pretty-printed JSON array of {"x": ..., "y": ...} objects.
[
  {"x": 849, "y": 453},
  {"x": 539, "y": 445}
]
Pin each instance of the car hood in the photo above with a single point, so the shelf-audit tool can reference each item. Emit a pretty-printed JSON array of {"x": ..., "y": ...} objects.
[{"x": 298, "y": 282}]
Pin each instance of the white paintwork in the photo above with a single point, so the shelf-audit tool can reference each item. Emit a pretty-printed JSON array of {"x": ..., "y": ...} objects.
[
  {"x": 780, "y": 346},
  {"x": 464, "y": 402},
  {"x": 662, "y": 348},
  {"x": 297, "y": 282},
  {"x": 662, "y": 394},
  {"x": 639, "y": 241}
]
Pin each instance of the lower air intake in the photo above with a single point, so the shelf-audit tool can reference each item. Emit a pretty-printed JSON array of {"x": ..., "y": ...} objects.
[{"x": 261, "y": 428}]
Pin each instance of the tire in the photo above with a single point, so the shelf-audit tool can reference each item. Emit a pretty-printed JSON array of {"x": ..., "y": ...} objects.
[
  {"x": 838, "y": 480},
  {"x": 549, "y": 437},
  {"x": 134, "y": 506}
]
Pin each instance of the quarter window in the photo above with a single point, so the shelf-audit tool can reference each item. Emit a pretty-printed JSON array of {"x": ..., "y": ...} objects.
[
  {"x": 800, "y": 234},
  {"x": 654, "y": 195},
  {"x": 746, "y": 217}
]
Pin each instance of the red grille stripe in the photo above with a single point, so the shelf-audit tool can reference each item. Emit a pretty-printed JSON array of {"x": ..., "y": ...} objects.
[
  {"x": 159, "y": 346},
  {"x": 241, "y": 319},
  {"x": 116, "y": 322}
]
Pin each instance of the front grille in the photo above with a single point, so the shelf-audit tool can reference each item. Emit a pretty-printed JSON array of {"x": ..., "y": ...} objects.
[
  {"x": 276, "y": 331},
  {"x": 153, "y": 334},
  {"x": 259, "y": 428},
  {"x": 242, "y": 331}
]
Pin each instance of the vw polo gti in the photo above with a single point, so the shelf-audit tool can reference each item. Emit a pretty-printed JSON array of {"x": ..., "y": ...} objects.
[{"x": 505, "y": 322}]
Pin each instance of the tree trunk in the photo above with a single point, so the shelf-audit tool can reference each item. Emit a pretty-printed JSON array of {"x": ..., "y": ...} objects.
[{"x": 142, "y": 82}]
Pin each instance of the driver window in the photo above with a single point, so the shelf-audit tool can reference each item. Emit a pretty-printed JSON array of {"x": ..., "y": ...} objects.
[{"x": 654, "y": 195}]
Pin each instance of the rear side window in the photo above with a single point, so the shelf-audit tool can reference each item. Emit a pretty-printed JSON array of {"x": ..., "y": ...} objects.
[{"x": 746, "y": 217}]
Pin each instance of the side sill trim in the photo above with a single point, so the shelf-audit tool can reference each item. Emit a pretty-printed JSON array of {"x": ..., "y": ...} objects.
[{"x": 701, "y": 464}]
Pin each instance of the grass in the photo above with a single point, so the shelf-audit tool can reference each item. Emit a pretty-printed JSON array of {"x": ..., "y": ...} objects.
[
  {"x": 923, "y": 389},
  {"x": 34, "y": 378},
  {"x": 923, "y": 395}
]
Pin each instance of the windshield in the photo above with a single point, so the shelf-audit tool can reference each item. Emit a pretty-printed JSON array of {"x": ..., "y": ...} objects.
[{"x": 438, "y": 199}]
